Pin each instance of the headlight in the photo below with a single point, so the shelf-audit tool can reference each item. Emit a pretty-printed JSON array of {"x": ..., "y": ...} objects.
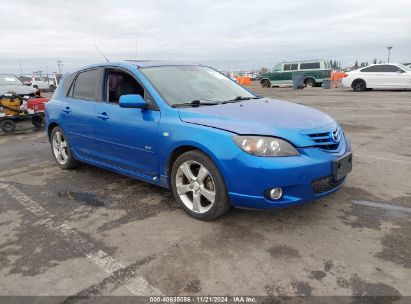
[{"x": 265, "y": 146}]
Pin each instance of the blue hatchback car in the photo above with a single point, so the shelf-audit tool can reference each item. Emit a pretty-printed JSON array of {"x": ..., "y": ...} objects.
[{"x": 193, "y": 130}]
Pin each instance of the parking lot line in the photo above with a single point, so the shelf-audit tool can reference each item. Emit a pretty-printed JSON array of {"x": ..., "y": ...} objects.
[
  {"x": 137, "y": 285},
  {"x": 382, "y": 205},
  {"x": 399, "y": 161}
]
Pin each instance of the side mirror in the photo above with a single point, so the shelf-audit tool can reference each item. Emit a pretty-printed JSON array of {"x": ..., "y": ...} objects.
[{"x": 132, "y": 101}]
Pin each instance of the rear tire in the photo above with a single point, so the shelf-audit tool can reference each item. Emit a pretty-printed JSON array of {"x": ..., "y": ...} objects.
[
  {"x": 61, "y": 150},
  {"x": 309, "y": 83},
  {"x": 359, "y": 85},
  {"x": 8, "y": 125},
  {"x": 199, "y": 187},
  {"x": 37, "y": 121},
  {"x": 266, "y": 83}
]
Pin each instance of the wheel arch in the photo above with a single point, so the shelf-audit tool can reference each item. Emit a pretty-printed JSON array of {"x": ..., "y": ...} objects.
[
  {"x": 186, "y": 147},
  {"x": 50, "y": 128},
  {"x": 310, "y": 77},
  {"x": 265, "y": 78}
]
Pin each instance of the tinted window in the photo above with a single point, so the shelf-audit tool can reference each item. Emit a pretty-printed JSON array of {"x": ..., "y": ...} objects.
[
  {"x": 85, "y": 86},
  {"x": 68, "y": 80},
  {"x": 309, "y": 65},
  {"x": 120, "y": 83},
  {"x": 382, "y": 68}
]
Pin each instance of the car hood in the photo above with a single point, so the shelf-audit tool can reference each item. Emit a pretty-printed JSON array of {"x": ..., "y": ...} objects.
[
  {"x": 265, "y": 116},
  {"x": 16, "y": 88}
]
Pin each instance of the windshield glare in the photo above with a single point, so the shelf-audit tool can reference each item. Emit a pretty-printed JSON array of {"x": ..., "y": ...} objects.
[
  {"x": 9, "y": 80},
  {"x": 184, "y": 84}
]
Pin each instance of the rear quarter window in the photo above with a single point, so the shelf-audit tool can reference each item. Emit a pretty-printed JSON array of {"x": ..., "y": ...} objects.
[
  {"x": 67, "y": 82},
  {"x": 309, "y": 65}
]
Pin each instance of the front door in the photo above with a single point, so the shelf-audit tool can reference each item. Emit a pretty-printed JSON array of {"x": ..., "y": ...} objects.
[{"x": 126, "y": 137}]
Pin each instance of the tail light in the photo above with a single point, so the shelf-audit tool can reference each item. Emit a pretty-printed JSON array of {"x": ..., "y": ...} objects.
[{"x": 345, "y": 75}]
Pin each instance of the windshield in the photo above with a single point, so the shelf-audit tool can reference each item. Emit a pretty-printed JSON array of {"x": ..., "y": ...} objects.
[
  {"x": 9, "y": 80},
  {"x": 404, "y": 67},
  {"x": 185, "y": 84}
]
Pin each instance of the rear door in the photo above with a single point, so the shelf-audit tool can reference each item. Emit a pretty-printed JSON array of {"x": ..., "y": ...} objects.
[
  {"x": 78, "y": 112},
  {"x": 127, "y": 137}
]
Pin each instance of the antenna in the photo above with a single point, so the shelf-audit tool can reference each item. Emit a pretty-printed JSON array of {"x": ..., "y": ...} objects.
[
  {"x": 135, "y": 54},
  {"x": 101, "y": 53}
]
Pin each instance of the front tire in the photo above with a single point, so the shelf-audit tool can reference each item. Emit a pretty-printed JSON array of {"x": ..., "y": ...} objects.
[
  {"x": 61, "y": 150},
  {"x": 266, "y": 83},
  {"x": 37, "y": 121},
  {"x": 199, "y": 187}
]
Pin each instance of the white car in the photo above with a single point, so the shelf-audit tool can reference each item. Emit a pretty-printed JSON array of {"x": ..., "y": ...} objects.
[
  {"x": 9, "y": 83},
  {"x": 40, "y": 83},
  {"x": 379, "y": 76}
]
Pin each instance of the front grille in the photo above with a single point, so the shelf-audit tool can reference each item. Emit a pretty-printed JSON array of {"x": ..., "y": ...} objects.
[
  {"x": 325, "y": 184},
  {"x": 325, "y": 140}
]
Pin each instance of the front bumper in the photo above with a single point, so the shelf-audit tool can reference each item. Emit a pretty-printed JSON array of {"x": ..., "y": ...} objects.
[{"x": 302, "y": 178}]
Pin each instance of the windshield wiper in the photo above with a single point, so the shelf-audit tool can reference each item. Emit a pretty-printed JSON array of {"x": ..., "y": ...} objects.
[
  {"x": 241, "y": 98},
  {"x": 196, "y": 103}
]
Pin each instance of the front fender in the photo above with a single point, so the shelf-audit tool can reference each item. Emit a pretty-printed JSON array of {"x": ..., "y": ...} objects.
[{"x": 215, "y": 143}]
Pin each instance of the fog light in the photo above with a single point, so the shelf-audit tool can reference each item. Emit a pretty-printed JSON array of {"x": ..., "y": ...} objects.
[{"x": 276, "y": 193}]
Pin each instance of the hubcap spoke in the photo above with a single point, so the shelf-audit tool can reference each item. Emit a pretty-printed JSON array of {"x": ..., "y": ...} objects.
[
  {"x": 209, "y": 195},
  {"x": 64, "y": 154},
  {"x": 202, "y": 174},
  {"x": 59, "y": 156},
  {"x": 183, "y": 189},
  {"x": 58, "y": 137},
  {"x": 187, "y": 171},
  {"x": 196, "y": 201},
  {"x": 64, "y": 144}
]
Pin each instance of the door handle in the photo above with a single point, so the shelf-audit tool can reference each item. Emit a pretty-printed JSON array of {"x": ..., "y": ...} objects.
[
  {"x": 103, "y": 116},
  {"x": 66, "y": 110}
]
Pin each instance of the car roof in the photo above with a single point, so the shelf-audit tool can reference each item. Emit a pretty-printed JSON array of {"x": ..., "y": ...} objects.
[
  {"x": 138, "y": 64},
  {"x": 303, "y": 61},
  {"x": 389, "y": 63}
]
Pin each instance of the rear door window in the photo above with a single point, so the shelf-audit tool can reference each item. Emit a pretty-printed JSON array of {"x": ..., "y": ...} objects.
[
  {"x": 309, "y": 65},
  {"x": 86, "y": 85}
]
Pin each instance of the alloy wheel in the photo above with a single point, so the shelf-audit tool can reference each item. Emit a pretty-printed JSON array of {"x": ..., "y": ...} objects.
[
  {"x": 195, "y": 186},
  {"x": 60, "y": 148}
]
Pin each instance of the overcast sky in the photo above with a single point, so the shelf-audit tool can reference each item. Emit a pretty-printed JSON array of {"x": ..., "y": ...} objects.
[{"x": 225, "y": 34}]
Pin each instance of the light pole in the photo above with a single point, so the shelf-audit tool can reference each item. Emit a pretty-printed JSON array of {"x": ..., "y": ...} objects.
[
  {"x": 389, "y": 52},
  {"x": 60, "y": 65}
]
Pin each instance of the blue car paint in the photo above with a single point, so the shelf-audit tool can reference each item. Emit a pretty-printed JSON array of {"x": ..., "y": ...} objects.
[{"x": 139, "y": 142}]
